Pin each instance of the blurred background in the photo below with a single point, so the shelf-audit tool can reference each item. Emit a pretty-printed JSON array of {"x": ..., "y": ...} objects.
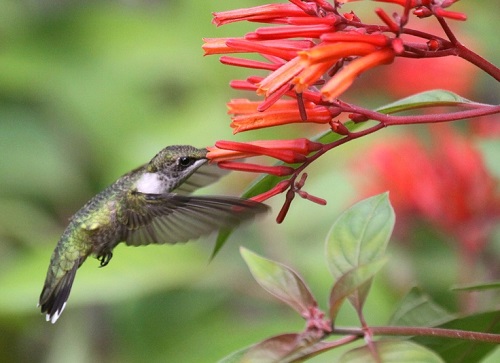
[{"x": 91, "y": 89}]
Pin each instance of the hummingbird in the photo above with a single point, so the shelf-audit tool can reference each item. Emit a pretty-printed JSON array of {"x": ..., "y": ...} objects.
[{"x": 150, "y": 204}]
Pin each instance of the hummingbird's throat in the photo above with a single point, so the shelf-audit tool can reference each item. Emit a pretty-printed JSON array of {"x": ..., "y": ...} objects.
[{"x": 151, "y": 183}]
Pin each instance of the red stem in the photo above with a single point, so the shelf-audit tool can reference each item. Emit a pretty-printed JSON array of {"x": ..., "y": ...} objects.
[
  {"x": 478, "y": 61},
  {"x": 388, "y": 120},
  {"x": 467, "y": 54},
  {"x": 423, "y": 331},
  {"x": 459, "y": 49}
]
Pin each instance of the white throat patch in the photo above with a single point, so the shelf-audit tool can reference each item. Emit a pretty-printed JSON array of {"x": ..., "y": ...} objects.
[{"x": 150, "y": 183}]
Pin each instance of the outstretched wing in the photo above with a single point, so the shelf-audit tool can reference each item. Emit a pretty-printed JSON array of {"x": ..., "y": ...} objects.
[{"x": 172, "y": 218}]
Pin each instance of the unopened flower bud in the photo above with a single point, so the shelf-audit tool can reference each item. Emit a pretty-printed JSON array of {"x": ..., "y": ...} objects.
[
  {"x": 339, "y": 128},
  {"x": 433, "y": 44}
]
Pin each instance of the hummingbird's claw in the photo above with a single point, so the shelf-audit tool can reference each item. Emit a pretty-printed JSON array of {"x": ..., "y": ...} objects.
[{"x": 105, "y": 258}]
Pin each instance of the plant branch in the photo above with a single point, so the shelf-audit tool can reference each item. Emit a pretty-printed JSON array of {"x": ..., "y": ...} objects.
[
  {"x": 478, "y": 61},
  {"x": 389, "y": 120},
  {"x": 422, "y": 331}
]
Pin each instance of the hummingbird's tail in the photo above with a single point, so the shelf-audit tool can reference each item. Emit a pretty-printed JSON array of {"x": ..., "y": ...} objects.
[{"x": 56, "y": 290}]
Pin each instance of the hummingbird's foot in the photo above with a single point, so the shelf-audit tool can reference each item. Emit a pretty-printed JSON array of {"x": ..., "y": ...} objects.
[{"x": 105, "y": 258}]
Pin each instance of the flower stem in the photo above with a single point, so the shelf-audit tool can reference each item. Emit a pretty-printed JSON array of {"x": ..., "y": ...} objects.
[{"x": 421, "y": 331}]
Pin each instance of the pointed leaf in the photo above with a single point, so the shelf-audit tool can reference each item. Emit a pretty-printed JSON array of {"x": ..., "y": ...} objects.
[
  {"x": 235, "y": 357},
  {"x": 392, "y": 352},
  {"x": 417, "y": 309},
  {"x": 491, "y": 285},
  {"x": 306, "y": 351},
  {"x": 350, "y": 282},
  {"x": 465, "y": 351},
  {"x": 358, "y": 237},
  {"x": 280, "y": 281},
  {"x": 220, "y": 241},
  {"x": 270, "y": 350},
  {"x": 431, "y": 98}
]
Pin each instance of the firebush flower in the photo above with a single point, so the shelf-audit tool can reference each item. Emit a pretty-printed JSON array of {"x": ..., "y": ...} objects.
[
  {"x": 313, "y": 53},
  {"x": 290, "y": 151},
  {"x": 246, "y": 114}
]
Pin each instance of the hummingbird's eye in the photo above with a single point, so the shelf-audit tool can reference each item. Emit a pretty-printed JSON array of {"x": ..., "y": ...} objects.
[{"x": 185, "y": 161}]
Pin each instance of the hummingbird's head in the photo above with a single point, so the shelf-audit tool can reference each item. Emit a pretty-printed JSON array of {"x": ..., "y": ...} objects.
[{"x": 177, "y": 162}]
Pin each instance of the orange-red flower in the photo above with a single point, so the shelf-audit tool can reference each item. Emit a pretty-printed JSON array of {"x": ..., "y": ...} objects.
[
  {"x": 246, "y": 114},
  {"x": 314, "y": 54},
  {"x": 290, "y": 151},
  {"x": 343, "y": 80}
]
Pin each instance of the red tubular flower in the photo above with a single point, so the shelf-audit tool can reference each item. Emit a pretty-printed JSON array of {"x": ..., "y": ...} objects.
[
  {"x": 248, "y": 63},
  {"x": 308, "y": 31},
  {"x": 267, "y": 47},
  {"x": 248, "y": 117},
  {"x": 290, "y": 151},
  {"x": 387, "y": 20},
  {"x": 379, "y": 40},
  {"x": 342, "y": 80},
  {"x": 278, "y": 170},
  {"x": 276, "y": 118},
  {"x": 333, "y": 52},
  {"x": 450, "y": 14},
  {"x": 258, "y": 13},
  {"x": 217, "y": 46},
  {"x": 229, "y": 150},
  {"x": 413, "y": 3},
  {"x": 280, "y": 77},
  {"x": 278, "y": 188}
]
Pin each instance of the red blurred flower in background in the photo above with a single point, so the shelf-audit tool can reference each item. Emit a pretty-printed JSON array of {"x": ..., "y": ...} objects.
[{"x": 444, "y": 182}]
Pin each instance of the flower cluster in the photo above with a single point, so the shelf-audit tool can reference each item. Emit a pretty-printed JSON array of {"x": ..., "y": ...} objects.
[{"x": 314, "y": 53}]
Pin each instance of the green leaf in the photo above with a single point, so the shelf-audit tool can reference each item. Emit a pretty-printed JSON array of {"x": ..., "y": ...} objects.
[
  {"x": 359, "y": 237},
  {"x": 220, "y": 241},
  {"x": 491, "y": 285},
  {"x": 268, "y": 351},
  {"x": 392, "y": 352},
  {"x": 350, "y": 282},
  {"x": 280, "y": 281},
  {"x": 465, "y": 351},
  {"x": 417, "y": 309},
  {"x": 431, "y": 98},
  {"x": 284, "y": 348},
  {"x": 235, "y": 357}
]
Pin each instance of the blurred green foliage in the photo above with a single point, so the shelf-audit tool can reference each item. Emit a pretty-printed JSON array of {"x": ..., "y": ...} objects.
[{"x": 90, "y": 90}]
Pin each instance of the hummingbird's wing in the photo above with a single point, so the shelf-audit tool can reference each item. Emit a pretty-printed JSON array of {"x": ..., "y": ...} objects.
[
  {"x": 203, "y": 176},
  {"x": 172, "y": 218}
]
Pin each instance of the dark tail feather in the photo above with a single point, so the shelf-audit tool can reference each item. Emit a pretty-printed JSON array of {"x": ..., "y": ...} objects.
[{"x": 53, "y": 297}]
